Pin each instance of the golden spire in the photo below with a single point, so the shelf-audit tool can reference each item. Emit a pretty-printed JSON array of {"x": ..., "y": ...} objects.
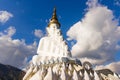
[{"x": 54, "y": 18}]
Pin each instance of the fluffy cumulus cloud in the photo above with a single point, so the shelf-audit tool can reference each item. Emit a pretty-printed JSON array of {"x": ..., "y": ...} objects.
[
  {"x": 96, "y": 35},
  {"x": 14, "y": 52},
  {"x": 5, "y": 16},
  {"x": 38, "y": 33}
]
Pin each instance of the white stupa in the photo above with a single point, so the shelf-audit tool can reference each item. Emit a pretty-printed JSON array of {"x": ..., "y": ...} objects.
[{"x": 54, "y": 61}]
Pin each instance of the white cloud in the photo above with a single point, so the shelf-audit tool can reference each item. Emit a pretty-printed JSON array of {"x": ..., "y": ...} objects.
[
  {"x": 5, "y": 16},
  {"x": 114, "y": 66},
  {"x": 38, "y": 33},
  {"x": 14, "y": 52},
  {"x": 96, "y": 35}
]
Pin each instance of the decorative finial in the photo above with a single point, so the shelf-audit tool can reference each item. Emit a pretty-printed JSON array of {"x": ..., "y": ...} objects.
[
  {"x": 54, "y": 14},
  {"x": 54, "y": 18}
]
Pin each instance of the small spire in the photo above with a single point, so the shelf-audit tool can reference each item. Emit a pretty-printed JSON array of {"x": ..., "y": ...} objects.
[
  {"x": 54, "y": 18},
  {"x": 54, "y": 14}
]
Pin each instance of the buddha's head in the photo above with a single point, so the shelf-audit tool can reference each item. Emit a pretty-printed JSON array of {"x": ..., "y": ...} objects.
[
  {"x": 52, "y": 29},
  {"x": 54, "y": 24}
]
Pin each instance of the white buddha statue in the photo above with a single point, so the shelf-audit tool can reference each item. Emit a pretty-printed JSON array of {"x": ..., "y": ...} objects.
[{"x": 53, "y": 44}]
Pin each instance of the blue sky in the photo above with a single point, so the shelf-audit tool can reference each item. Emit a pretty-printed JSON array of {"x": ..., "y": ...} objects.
[{"x": 27, "y": 16}]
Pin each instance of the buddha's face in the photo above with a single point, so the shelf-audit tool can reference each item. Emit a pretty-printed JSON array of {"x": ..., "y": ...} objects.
[
  {"x": 52, "y": 29},
  {"x": 53, "y": 26}
]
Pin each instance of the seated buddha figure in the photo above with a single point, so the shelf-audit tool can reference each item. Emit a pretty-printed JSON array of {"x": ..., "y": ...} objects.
[
  {"x": 48, "y": 44},
  {"x": 53, "y": 44}
]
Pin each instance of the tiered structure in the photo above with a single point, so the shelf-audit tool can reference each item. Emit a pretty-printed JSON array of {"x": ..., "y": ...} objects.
[{"x": 54, "y": 61}]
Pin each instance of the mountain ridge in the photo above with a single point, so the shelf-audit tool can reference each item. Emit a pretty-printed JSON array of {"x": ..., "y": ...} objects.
[{"x": 8, "y": 72}]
